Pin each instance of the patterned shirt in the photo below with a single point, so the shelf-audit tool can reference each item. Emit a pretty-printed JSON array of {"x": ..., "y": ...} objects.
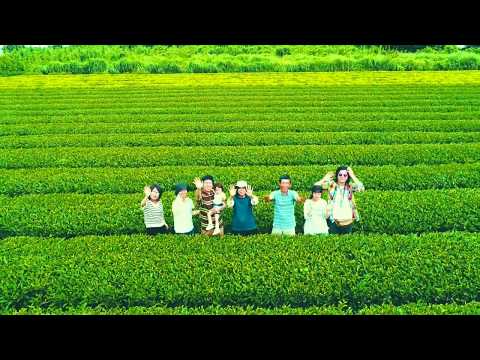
[
  {"x": 341, "y": 201},
  {"x": 205, "y": 204},
  {"x": 153, "y": 215}
]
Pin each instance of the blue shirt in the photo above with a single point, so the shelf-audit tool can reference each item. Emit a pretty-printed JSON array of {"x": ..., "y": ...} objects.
[
  {"x": 284, "y": 209},
  {"x": 243, "y": 219}
]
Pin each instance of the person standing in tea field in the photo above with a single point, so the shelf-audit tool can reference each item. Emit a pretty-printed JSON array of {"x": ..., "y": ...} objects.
[
  {"x": 284, "y": 207},
  {"x": 182, "y": 210},
  {"x": 153, "y": 210},
  {"x": 219, "y": 204},
  {"x": 316, "y": 212},
  {"x": 204, "y": 195},
  {"x": 341, "y": 199},
  {"x": 242, "y": 201}
]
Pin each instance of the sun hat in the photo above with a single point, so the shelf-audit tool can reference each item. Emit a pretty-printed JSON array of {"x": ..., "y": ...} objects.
[{"x": 241, "y": 184}]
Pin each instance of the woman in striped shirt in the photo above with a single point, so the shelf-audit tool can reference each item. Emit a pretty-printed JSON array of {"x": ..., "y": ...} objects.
[{"x": 153, "y": 210}]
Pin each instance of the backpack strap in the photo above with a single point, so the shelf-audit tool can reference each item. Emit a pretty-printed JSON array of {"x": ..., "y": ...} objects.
[
  {"x": 354, "y": 208},
  {"x": 330, "y": 196}
]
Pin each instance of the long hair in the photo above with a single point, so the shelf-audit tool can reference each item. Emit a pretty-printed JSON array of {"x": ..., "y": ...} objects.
[{"x": 340, "y": 168}]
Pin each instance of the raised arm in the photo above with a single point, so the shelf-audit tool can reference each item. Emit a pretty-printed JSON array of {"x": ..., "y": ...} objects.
[
  {"x": 254, "y": 199},
  {"x": 198, "y": 192},
  {"x": 325, "y": 181},
  {"x": 146, "y": 191},
  {"x": 358, "y": 185},
  {"x": 232, "y": 192}
]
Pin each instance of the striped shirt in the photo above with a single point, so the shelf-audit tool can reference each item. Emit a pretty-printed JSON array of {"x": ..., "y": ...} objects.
[
  {"x": 205, "y": 204},
  {"x": 284, "y": 209},
  {"x": 153, "y": 215}
]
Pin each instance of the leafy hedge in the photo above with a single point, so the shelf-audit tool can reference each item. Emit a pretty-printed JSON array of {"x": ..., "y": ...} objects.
[
  {"x": 247, "y": 80},
  {"x": 329, "y": 104},
  {"x": 223, "y": 108},
  {"x": 108, "y": 87},
  {"x": 131, "y": 180},
  {"x": 89, "y": 67},
  {"x": 262, "y": 271},
  {"x": 381, "y": 212},
  {"x": 405, "y": 154},
  {"x": 197, "y": 126},
  {"x": 471, "y": 308},
  {"x": 237, "y": 139}
]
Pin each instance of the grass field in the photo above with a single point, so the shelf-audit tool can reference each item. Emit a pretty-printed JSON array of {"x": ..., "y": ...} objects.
[{"x": 76, "y": 151}]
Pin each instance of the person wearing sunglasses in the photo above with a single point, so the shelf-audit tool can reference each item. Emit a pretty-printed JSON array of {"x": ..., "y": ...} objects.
[
  {"x": 341, "y": 199},
  {"x": 242, "y": 201}
]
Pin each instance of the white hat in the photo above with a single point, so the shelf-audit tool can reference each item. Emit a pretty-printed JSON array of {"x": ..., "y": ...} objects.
[{"x": 241, "y": 184}]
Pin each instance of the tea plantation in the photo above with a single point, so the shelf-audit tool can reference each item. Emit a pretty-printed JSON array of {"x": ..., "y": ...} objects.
[{"x": 76, "y": 152}]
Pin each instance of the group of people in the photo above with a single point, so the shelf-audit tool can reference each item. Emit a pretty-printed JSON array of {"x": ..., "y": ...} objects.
[{"x": 335, "y": 216}]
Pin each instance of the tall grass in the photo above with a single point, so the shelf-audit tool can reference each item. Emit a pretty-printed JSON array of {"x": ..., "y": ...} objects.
[{"x": 232, "y": 58}]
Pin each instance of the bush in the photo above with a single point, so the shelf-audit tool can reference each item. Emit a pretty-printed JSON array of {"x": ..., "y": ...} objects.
[
  {"x": 259, "y": 271},
  {"x": 380, "y": 62},
  {"x": 127, "y": 66},
  {"x": 164, "y": 67},
  {"x": 280, "y": 52},
  {"x": 197, "y": 67},
  {"x": 263, "y": 178},
  {"x": 95, "y": 66},
  {"x": 75, "y": 68},
  {"x": 399, "y": 154},
  {"x": 78, "y": 214},
  {"x": 462, "y": 61},
  {"x": 54, "y": 68},
  {"x": 10, "y": 65}
]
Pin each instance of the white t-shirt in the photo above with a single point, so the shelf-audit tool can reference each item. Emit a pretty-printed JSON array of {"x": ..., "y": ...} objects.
[
  {"x": 182, "y": 215},
  {"x": 218, "y": 199},
  {"x": 315, "y": 213},
  {"x": 342, "y": 208}
]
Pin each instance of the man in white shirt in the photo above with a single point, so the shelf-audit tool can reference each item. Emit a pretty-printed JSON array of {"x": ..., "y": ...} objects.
[{"x": 182, "y": 210}]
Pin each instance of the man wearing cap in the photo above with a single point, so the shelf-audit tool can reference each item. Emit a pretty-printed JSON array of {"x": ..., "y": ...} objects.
[
  {"x": 242, "y": 201},
  {"x": 182, "y": 210},
  {"x": 204, "y": 196}
]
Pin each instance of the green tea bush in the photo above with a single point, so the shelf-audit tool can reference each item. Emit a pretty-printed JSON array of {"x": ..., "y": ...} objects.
[
  {"x": 403, "y": 154},
  {"x": 130, "y": 180},
  {"x": 350, "y": 272},
  {"x": 400, "y": 212}
]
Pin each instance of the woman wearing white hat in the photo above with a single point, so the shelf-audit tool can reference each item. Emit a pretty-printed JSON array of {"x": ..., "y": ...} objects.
[{"x": 242, "y": 201}]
